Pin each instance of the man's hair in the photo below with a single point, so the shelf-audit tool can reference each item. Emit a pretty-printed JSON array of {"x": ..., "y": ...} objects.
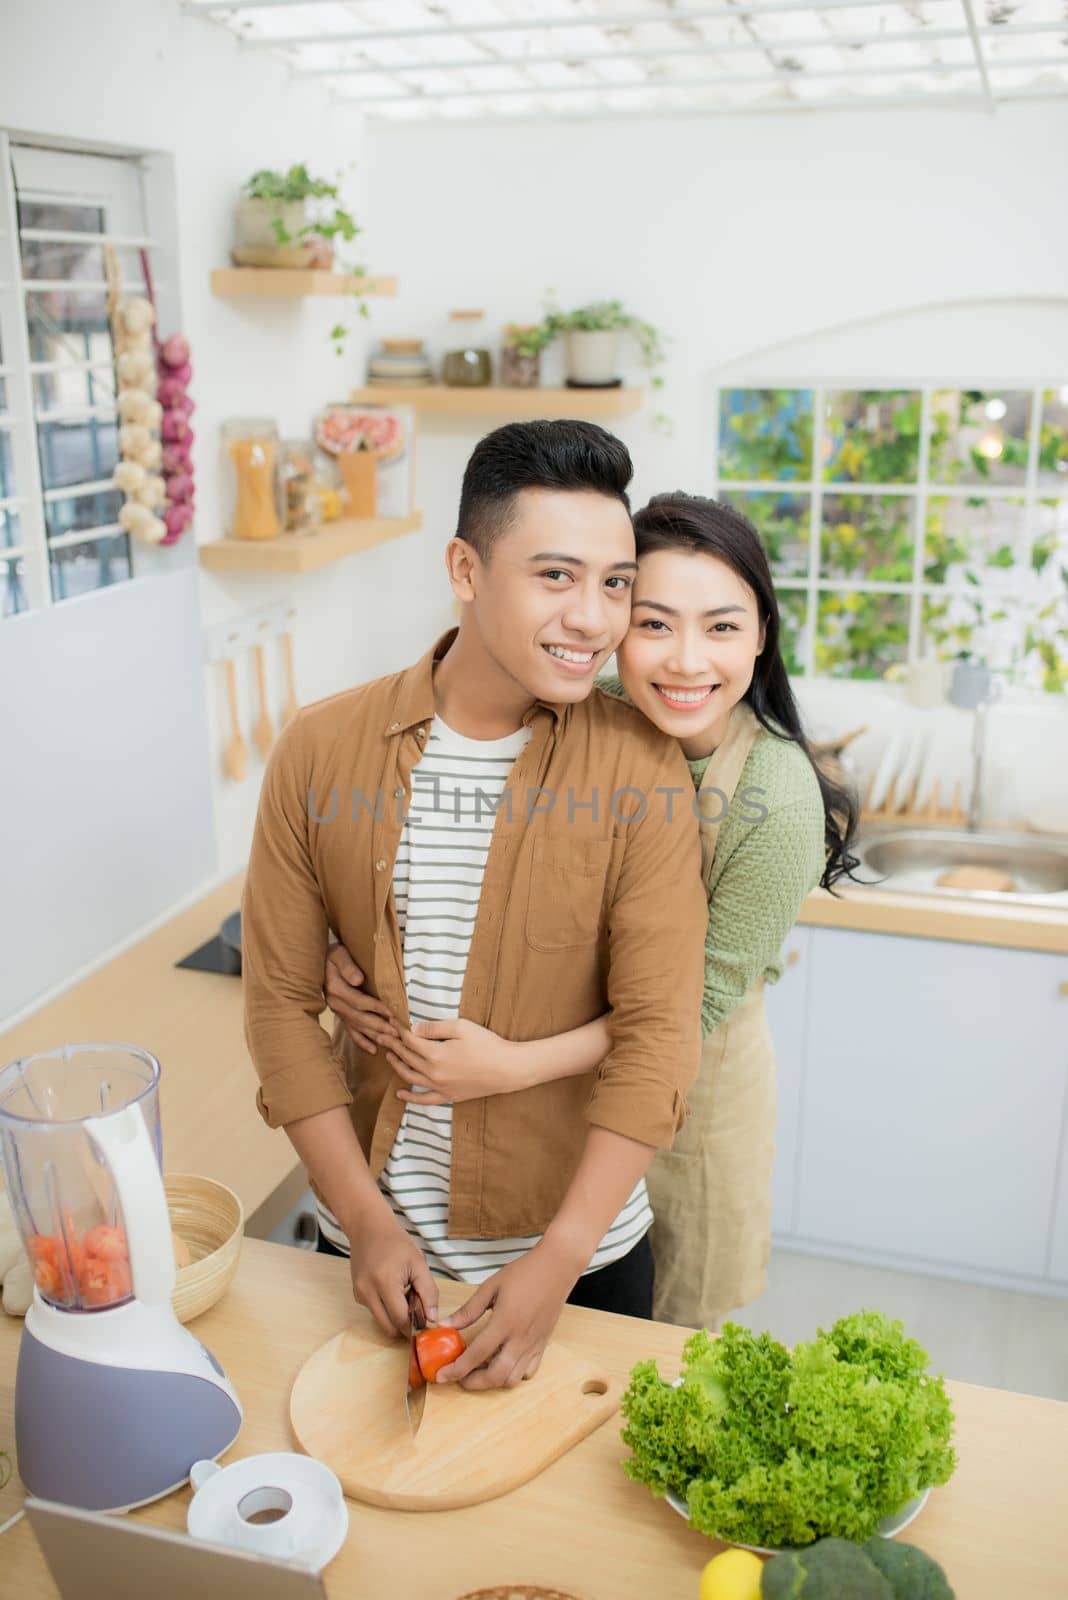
[{"x": 569, "y": 455}]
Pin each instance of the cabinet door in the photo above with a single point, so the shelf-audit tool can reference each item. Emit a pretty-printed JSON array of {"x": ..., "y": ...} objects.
[
  {"x": 934, "y": 1099},
  {"x": 1058, "y": 1245},
  {"x": 787, "y": 1007}
]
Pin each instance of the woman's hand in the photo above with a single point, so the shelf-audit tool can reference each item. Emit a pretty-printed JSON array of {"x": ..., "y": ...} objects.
[
  {"x": 443, "y": 1062},
  {"x": 368, "y": 1021}
]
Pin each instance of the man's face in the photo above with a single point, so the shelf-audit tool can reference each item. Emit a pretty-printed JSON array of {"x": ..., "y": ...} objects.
[{"x": 553, "y": 600}]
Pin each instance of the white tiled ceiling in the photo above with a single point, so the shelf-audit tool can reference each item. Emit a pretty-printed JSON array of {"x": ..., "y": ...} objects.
[{"x": 407, "y": 60}]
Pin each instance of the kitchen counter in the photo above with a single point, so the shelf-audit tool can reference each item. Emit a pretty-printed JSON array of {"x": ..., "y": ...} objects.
[
  {"x": 582, "y": 1526},
  {"x": 192, "y": 1021},
  {"x": 929, "y": 916}
]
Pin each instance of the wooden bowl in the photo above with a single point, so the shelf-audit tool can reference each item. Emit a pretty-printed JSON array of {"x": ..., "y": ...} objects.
[{"x": 211, "y": 1220}]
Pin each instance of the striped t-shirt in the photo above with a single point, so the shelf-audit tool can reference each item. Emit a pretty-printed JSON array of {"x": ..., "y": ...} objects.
[{"x": 437, "y": 881}]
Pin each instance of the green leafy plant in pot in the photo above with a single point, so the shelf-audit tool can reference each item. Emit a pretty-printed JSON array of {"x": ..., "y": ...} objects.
[
  {"x": 592, "y": 333},
  {"x": 521, "y": 348},
  {"x": 285, "y": 219}
]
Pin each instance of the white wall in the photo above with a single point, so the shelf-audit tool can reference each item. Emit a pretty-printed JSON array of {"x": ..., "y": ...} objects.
[{"x": 871, "y": 244}]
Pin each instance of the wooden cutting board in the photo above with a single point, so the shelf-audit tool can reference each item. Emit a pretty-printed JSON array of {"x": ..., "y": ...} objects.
[{"x": 347, "y": 1409}]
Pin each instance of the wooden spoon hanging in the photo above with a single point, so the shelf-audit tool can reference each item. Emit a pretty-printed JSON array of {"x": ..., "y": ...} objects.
[
  {"x": 263, "y": 732},
  {"x": 235, "y": 756},
  {"x": 292, "y": 705}
]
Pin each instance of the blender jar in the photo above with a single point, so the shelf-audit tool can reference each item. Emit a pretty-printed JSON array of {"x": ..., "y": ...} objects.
[{"x": 80, "y": 1147}]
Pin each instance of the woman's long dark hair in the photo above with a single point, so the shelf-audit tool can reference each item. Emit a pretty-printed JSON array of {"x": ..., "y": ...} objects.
[{"x": 708, "y": 527}]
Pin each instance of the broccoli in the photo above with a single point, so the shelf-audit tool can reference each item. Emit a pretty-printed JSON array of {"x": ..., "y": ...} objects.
[
  {"x": 833, "y": 1569},
  {"x": 911, "y": 1573}
]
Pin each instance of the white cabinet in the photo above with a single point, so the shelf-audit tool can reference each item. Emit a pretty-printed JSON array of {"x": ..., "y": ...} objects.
[
  {"x": 1058, "y": 1245},
  {"x": 934, "y": 1101},
  {"x": 787, "y": 1008}
]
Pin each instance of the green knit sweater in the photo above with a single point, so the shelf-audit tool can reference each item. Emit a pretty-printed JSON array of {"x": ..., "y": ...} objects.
[{"x": 762, "y": 870}]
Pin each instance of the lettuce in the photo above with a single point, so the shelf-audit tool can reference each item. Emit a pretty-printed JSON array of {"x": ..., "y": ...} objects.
[{"x": 771, "y": 1448}]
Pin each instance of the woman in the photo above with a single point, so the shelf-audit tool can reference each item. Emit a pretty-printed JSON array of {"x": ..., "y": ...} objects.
[{"x": 702, "y": 661}]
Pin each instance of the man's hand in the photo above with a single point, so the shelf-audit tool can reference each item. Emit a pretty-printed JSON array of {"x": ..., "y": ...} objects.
[
  {"x": 453, "y": 1060},
  {"x": 369, "y": 1022},
  {"x": 384, "y": 1260},
  {"x": 526, "y": 1297}
]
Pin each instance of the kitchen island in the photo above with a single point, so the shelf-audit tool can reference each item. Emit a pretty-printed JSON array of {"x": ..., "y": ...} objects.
[{"x": 582, "y": 1526}]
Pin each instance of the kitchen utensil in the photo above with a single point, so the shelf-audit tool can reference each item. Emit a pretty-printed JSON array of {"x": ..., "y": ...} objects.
[
  {"x": 235, "y": 756},
  {"x": 888, "y": 1528},
  {"x": 414, "y": 1392},
  {"x": 114, "y": 1400},
  {"x": 925, "y": 682},
  {"x": 278, "y": 1504},
  {"x": 345, "y": 1409},
  {"x": 972, "y": 685},
  {"x": 263, "y": 731},
  {"x": 211, "y": 1220},
  {"x": 292, "y": 705}
]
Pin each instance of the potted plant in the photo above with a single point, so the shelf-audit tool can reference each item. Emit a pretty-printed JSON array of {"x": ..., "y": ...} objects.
[
  {"x": 521, "y": 346},
  {"x": 592, "y": 333},
  {"x": 276, "y": 223}
]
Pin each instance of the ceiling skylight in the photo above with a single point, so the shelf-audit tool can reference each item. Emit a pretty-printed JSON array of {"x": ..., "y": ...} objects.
[{"x": 408, "y": 60}]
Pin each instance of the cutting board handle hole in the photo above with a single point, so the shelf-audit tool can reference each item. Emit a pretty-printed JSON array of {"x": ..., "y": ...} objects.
[{"x": 595, "y": 1386}]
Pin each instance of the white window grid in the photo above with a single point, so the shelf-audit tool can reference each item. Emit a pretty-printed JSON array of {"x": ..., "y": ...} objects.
[
  {"x": 20, "y": 416},
  {"x": 923, "y": 490}
]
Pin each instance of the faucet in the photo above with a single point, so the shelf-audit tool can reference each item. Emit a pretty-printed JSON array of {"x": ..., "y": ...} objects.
[{"x": 975, "y": 798}]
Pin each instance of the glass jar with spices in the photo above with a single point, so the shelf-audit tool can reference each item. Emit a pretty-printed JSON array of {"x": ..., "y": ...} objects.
[
  {"x": 466, "y": 364},
  {"x": 250, "y": 449},
  {"x": 296, "y": 470}
]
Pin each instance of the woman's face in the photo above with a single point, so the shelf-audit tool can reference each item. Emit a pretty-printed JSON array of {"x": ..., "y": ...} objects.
[{"x": 689, "y": 654}]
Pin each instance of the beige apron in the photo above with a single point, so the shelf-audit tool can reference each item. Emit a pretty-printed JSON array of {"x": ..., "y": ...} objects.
[{"x": 711, "y": 1193}]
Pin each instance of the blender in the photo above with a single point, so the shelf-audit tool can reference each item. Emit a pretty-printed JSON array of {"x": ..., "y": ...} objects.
[{"x": 114, "y": 1398}]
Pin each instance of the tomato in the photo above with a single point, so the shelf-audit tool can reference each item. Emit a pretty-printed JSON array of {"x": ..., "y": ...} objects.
[
  {"x": 101, "y": 1283},
  {"x": 436, "y": 1348},
  {"x": 47, "y": 1278},
  {"x": 107, "y": 1244},
  {"x": 42, "y": 1246},
  {"x": 415, "y": 1377}
]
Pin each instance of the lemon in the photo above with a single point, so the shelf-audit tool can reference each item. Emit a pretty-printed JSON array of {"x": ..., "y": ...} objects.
[{"x": 734, "y": 1575}]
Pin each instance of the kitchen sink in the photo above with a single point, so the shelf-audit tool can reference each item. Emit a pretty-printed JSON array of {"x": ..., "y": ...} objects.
[{"x": 913, "y": 859}]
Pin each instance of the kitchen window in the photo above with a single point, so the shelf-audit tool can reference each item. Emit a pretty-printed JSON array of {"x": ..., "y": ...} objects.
[
  {"x": 59, "y": 533},
  {"x": 906, "y": 520}
]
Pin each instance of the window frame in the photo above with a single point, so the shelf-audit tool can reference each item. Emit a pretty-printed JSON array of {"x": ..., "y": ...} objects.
[
  {"x": 923, "y": 490},
  {"x": 54, "y": 175}
]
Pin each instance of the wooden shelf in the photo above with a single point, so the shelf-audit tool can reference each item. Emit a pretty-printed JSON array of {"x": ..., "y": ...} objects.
[
  {"x": 293, "y": 552},
  {"x": 436, "y": 400},
  {"x": 281, "y": 282}
]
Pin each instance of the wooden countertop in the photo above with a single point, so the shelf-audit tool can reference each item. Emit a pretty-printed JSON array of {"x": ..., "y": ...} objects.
[
  {"x": 998, "y": 1527},
  {"x": 928, "y": 916},
  {"x": 192, "y": 1022}
]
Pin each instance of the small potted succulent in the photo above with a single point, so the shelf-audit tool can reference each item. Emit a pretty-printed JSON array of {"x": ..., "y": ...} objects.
[
  {"x": 521, "y": 346},
  {"x": 282, "y": 220},
  {"x": 592, "y": 333}
]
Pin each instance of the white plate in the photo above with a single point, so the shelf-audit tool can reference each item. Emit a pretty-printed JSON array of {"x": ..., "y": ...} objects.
[
  {"x": 893, "y": 756},
  {"x": 887, "y": 1528}
]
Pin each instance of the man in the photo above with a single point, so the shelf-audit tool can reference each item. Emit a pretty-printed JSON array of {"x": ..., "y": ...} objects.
[{"x": 489, "y": 839}]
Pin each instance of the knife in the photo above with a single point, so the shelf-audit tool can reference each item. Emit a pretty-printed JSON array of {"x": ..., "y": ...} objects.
[{"x": 414, "y": 1393}]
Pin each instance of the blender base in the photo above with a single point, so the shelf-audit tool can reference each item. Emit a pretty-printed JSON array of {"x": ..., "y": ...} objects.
[{"x": 108, "y": 1437}]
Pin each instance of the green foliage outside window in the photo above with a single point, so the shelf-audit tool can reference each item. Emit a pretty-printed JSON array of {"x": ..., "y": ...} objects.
[
  {"x": 872, "y": 437},
  {"x": 994, "y": 566},
  {"x": 765, "y": 435}
]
